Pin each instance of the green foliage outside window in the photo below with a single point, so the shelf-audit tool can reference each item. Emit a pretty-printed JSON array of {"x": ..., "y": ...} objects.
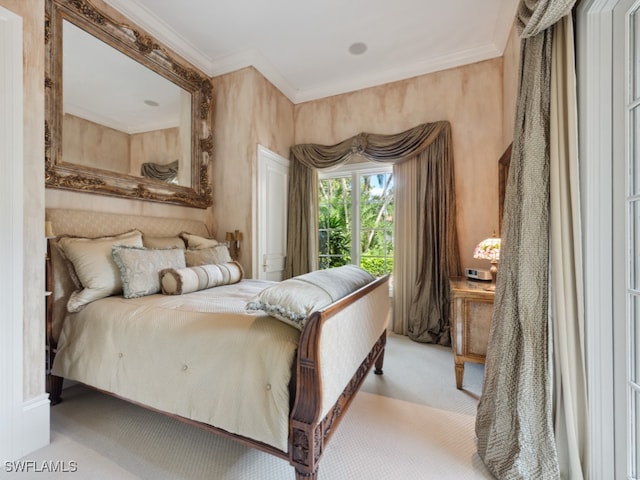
[{"x": 375, "y": 219}]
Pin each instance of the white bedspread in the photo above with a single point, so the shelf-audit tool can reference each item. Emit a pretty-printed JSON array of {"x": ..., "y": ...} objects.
[{"x": 200, "y": 355}]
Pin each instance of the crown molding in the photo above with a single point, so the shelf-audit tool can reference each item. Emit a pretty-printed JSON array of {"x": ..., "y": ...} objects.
[
  {"x": 427, "y": 65},
  {"x": 254, "y": 58},
  {"x": 148, "y": 125},
  {"x": 162, "y": 32}
]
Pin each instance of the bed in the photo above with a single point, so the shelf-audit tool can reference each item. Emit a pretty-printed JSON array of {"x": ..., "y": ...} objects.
[{"x": 245, "y": 358}]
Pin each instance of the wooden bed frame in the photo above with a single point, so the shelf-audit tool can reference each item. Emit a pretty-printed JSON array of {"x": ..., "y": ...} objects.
[{"x": 308, "y": 432}]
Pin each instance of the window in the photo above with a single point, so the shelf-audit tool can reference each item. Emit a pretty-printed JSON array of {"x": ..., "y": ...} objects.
[{"x": 355, "y": 218}]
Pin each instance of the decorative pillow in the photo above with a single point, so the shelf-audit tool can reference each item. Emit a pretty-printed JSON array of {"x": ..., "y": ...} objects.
[
  {"x": 207, "y": 256},
  {"x": 93, "y": 266},
  {"x": 293, "y": 300},
  {"x": 196, "y": 241},
  {"x": 163, "y": 242},
  {"x": 191, "y": 279},
  {"x": 140, "y": 267}
]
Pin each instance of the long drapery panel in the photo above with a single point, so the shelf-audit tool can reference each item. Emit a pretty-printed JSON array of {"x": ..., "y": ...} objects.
[
  {"x": 567, "y": 292},
  {"x": 406, "y": 230},
  {"x": 435, "y": 243},
  {"x": 428, "y": 315},
  {"x": 514, "y": 424}
]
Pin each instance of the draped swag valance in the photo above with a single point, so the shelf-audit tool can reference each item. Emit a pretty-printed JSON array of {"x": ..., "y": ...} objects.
[
  {"x": 426, "y": 244},
  {"x": 165, "y": 173}
]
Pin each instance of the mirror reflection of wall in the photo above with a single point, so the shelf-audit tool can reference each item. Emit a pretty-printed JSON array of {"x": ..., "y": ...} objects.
[{"x": 119, "y": 114}]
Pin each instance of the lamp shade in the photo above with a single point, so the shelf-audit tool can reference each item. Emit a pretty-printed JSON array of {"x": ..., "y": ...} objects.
[{"x": 488, "y": 249}]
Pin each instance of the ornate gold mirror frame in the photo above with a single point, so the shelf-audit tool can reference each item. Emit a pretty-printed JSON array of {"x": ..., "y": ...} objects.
[{"x": 144, "y": 49}]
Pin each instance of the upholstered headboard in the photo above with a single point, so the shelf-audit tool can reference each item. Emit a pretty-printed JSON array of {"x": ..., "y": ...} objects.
[{"x": 86, "y": 223}]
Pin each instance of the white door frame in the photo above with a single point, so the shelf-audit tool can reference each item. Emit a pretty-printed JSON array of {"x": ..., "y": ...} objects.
[
  {"x": 625, "y": 36},
  {"x": 600, "y": 178},
  {"x": 11, "y": 218},
  {"x": 263, "y": 156}
]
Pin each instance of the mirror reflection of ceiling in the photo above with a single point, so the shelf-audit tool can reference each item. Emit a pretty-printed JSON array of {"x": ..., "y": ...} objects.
[
  {"x": 144, "y": 102},
  {"x": 303, "y": 47}
]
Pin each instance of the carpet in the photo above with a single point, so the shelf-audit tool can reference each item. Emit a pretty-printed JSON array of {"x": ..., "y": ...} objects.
[{"x": 410, "y": 423}]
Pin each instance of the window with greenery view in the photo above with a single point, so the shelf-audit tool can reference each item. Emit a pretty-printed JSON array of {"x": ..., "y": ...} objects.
[{"x": 355, "y": 219}]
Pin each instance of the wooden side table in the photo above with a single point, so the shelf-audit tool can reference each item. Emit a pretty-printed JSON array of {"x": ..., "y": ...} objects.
[{"x": 471, "y": 313}]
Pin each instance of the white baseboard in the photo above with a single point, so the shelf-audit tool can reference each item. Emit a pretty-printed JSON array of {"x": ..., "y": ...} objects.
[{"x": 35, "y": 424}]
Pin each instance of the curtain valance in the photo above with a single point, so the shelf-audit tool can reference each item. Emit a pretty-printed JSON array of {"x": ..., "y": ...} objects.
[{"x": 374, "y": 147}]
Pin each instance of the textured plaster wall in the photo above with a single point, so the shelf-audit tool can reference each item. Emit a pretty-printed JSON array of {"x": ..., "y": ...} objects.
[
  {"x": 94, "y": 145},
  {"x": 32, "y": 13},
  {"x": 249, "y": 111},
  {"x": 469, "y": 97},
  {"x": 511, "y": 67},
  {"x": 157, "y": 146}
]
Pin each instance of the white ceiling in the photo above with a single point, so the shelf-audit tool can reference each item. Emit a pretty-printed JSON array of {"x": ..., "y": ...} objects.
[{"x": 301, "y": 46}]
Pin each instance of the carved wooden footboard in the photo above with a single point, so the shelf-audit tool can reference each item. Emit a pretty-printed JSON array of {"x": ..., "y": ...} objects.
[{"x": 309, "y": 429}]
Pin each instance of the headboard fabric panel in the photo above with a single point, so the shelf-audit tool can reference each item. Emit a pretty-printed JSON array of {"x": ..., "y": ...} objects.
[{"x": 86, "y": 223}]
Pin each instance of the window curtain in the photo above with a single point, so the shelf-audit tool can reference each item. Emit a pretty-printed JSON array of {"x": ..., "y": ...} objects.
[
  {"x": 421, "y": 292},
  {"x": 567, "y": 313},
  {"x": 515, "y": 418}
]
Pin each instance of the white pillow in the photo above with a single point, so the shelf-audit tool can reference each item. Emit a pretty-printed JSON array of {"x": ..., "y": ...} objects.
[
  {"x": 293, "y": 300},
  {"x": 163, "y": 242},
  {"x": 177, "y": 281},
  {"x": 207, "y": 256},
  {"x": 196, "y": 241},
  {"x": 140, "y": 267},
  {"x": 93, "y": 266}
]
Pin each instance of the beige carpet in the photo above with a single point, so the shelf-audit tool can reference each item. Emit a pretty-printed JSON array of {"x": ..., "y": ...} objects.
[{"x": 410, "y": 423}]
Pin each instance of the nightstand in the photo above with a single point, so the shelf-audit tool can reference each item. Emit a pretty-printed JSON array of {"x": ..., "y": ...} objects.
[{"x": 471, "y": 313}]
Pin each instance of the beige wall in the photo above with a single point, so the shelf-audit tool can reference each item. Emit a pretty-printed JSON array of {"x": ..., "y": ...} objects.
[
  {"x": 32, "y": 13},
  {"x": 511, "y": 67},
  {"x": 157, "y": 146},
  {"x": 469, "y": 97},
  {"x": 249, "y": 111},
  {"x": 94, "y": 145}
]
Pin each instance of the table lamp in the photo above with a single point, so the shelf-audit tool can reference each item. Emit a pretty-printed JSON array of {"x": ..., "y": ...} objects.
[{"x": 489, "y": 249}]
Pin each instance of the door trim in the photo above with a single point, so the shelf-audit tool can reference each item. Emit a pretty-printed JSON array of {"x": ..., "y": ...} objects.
[
  {"x": 11, "y": 238},
  {"x": 595, "y": 108},
  {"x": 262, "y": 154}
]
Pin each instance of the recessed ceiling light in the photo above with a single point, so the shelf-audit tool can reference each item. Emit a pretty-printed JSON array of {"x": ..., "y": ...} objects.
[
  {"x": 151, "y": 103},
  {"x": 358, "y": 48}
]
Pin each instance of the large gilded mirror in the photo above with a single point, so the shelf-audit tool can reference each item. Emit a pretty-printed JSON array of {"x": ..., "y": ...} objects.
[{"x": 124, "y": 116}]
